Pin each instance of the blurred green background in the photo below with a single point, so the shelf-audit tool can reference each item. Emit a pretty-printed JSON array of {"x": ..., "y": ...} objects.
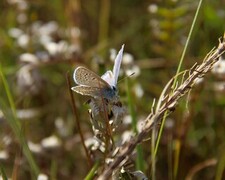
[{"x": 41, "y": 41}]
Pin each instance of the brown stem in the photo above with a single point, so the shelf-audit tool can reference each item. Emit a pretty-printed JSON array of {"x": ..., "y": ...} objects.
[{"x": 78, "y": 121}]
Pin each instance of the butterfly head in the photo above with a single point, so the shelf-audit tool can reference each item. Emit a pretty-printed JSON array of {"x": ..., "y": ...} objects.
[
  {"x": 111, "y": 94},
  {"x": 114, "y": 88}
]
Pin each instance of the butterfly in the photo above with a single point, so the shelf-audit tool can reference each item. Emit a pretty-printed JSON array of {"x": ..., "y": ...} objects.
[{"x": 91, "y": 84}]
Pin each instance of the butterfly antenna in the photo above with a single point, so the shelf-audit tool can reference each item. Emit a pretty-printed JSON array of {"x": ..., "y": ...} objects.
[{"x": 126, "y": 77}]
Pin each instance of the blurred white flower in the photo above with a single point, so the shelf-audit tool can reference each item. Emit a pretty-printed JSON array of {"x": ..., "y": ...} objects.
[
  {"x": 63, "y": 47},
  {"x": 95, "y": 144},
  {"x": 50, "y": 37},
  {"x": 15, "y": 1},
  {"x": 134, "y": 69},
  {"x": 154, "y": 23},
  {"x": 138, "y": 90},
  {"x": 219, "y": 67},
  {"x": 109, "y": 160},
  {"x": 52, "y": 48},
  {"x": 91, "y": 142},
  {"x": 74, "y": 48},
  {"x": 28, "y": 113},
  {"x": 61, "y": 127},
  {"x": 35, "y": 148},
  {"x": 140, "y": 124},
  {"x": 198, "y": 80},
  {"x": 169, "y": 123},
  {"x": 153, "y": 8},
  {"x": 1, "y": 178},
  {"x": 7, "y": 140},
  {"x": 75, "y": 32},
  {"x": 15, "y": 32},
  {"x": 23, "y": 5},
  {"x": 22, "y": 18},
  {"x": 42, "y": 177},
  {"x": 112, "y": 55},
  {"x": 127, "y": 59},
  {"x": 1, "y": 115},
  {"x": 51, "y": 142},
  {"x": 45, "y": 39},
  {"x": 219, "y": 86},
  {"x": 28, "y": 58},
  {"x": 4, "y": 155},
  {"x": 29, "y": 79},
  {"x": 24, "y": 76},
  {"x": 23, "y": 41},
  {"x": 48, "y": 28},
  {"x": 126, "y": 136},
  {"x": 43, "y": 56},
  {"x": 35, "y": 26},
  {"x": 127, "y": 119}
]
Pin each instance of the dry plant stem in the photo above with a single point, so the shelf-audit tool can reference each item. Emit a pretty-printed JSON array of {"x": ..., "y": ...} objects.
[
  {"x": 16, "y": 168},
  {"x": 200, "y": 166},
  {"x": 77, "y": 120},
  {"x": 108, "y": 132},
  {"x": 169, "y": 105}
]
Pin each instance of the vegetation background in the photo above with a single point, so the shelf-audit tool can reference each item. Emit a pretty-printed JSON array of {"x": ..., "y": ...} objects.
[{"x": 41, "y": 41}]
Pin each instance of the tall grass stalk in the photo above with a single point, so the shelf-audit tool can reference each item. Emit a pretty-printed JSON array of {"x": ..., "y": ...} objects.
[
  {"x": 9, "y": 112},
  {"x": 153, "y": 139},
  {"x": 139, "y": 161},
  {"x": 2, "y": 172},
  {"x": 92, "y": 172},
  {"x": 221, "y": 166},
  {"x": 176, "y": 161},
  {"x": 104, "y": 21},
  {"x": 53, "y": 170}
]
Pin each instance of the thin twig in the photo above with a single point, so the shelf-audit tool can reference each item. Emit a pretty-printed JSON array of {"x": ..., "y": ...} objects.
[{"x": 77, "y": 120}]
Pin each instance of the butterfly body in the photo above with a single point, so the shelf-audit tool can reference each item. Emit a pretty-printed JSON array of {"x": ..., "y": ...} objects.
[
  {"x": 90, "y": 84},
  {"x": 104, "y": 101}
]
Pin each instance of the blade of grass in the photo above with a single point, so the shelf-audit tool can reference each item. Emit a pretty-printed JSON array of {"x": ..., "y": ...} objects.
[
  {"x": 139, "y": 161},
  {"x": 188, "y": 40},
  {"x": 175, "y": 81},
  {"x": 104, "y": 15},
  {"x": 11, "y": 118},
  {"x": 53, "y": 171},
  {"x": 91, "y": 174},
  {"x": 221, "y": 166},
  {"x": 3, "y": 174},
  {"x": 153, "y": 139}
]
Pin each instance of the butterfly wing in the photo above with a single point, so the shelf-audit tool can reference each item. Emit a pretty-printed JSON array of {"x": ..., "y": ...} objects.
[
  {"x": 87, "y": 91},
  {"x": 108, "y": 77},
  {"x": 85, "y": 77},
  {"x": 117, "y": 63}
]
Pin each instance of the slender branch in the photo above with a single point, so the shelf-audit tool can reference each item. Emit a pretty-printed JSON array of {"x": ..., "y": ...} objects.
[{"x": 89, "y": 161}]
